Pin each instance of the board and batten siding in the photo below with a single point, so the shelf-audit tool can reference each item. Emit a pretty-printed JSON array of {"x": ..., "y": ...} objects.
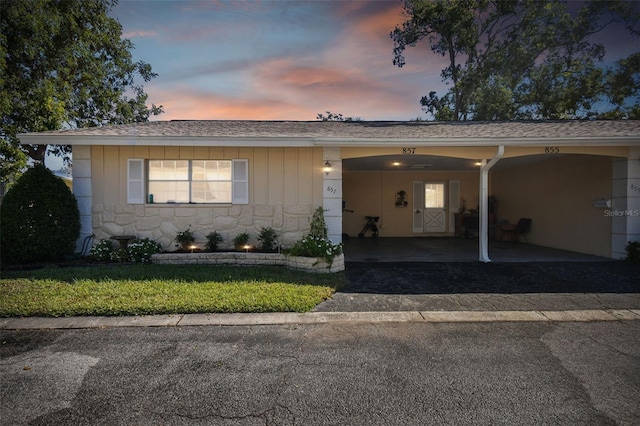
[{"x": 285, "y": 186}]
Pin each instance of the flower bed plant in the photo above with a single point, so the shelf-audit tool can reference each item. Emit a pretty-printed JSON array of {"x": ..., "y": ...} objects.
[
  {"x": 317, "y": 243},
  {"x": 268, "y": 239},
  {"x": 138, "y": 251},
  {"x": 311, "y": 246},
  {"x": 213, "y": 239},
  {"x": 185, "y": 238},
  {"x": 241, "y": 240}
]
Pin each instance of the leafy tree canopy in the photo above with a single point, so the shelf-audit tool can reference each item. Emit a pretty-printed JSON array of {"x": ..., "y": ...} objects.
[
  {"x": 526, "y": 59},
  {"x": 64, "y": 64},
  {"x": 336, "y": 117}
]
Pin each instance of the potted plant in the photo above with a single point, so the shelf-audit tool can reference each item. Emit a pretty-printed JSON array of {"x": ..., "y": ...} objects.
[{"x": 185, "y": 239}]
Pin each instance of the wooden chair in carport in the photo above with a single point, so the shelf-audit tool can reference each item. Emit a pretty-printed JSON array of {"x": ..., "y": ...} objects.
[{"x": 513, "y": 232}]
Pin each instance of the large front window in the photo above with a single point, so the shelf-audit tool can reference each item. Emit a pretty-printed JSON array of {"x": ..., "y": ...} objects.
[{"x": 190, "y": 181}]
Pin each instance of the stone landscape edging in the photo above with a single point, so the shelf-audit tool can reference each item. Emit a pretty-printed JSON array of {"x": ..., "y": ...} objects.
[{"x": 301, "y": 263}]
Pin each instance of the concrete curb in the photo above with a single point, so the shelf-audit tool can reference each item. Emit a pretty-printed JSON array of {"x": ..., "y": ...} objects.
[{"x": 179, "y": 320}]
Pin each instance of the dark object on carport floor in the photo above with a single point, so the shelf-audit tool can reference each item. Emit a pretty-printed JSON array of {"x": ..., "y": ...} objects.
[
  {"x": 522, "y": 228},
  {"x": 471, "y": 225},
  {"x": 370, "y": 226}
]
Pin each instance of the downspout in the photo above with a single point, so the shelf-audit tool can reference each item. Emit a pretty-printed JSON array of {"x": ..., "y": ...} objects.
[{"x": 483, "y": 237}]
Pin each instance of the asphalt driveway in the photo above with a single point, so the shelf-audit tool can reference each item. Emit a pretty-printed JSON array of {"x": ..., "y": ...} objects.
[
  {"x": 506, "y": 278},
  {"x": 475, "y": 286}
]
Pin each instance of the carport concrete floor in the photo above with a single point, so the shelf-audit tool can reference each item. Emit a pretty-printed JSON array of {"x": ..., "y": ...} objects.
[
  {"x": 449, "y": 249},
  {"x": 444, "y": 274}
]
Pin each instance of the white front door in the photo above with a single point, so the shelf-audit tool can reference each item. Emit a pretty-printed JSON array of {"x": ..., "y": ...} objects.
[{"x": 435, "y": 210}]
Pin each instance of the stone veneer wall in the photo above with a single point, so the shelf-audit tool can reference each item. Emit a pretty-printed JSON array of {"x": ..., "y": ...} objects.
[{"x": 162, "y": 222}]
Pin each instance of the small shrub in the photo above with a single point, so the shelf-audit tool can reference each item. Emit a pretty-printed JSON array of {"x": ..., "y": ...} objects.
[
  {"x": 185, "y": 238},
  {"x": 311, "y": 246},
  {"x": 140, "y": 251},
  {"x": 318, "y": 225},
  {"x": 241, "y": 240},
  {"x": 102, "y": 251},
  {"x": 268, "y": 239},
  {"x": 633, "y": 251},
  {"x": 213, "y": 239},
  {"x": 119, "y": 255}
]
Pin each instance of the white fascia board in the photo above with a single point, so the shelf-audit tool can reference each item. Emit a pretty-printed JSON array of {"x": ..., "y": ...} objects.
[{"x": 482, "y": 142}]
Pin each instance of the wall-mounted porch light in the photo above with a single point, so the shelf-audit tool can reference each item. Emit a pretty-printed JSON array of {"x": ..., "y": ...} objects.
[{"x": 327, "y": 168}]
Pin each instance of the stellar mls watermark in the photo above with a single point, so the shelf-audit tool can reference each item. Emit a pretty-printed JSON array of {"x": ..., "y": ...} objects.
[{"x": 620, "y": 213}]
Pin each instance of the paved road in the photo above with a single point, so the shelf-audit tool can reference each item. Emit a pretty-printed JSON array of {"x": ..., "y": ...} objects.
[{"x": 338, "y": 373}]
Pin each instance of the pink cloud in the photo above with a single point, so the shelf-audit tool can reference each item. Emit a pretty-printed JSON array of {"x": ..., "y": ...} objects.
[
  {"x": 349, "y": 91},
  {"x": 286, "y": 72},
  {"x": 185, "y": 103}
]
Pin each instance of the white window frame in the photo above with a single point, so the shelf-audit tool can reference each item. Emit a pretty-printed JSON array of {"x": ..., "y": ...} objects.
[{"x": 137, "y": 186}]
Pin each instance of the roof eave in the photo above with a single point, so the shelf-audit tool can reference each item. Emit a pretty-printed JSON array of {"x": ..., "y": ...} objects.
[{"x": 286, "y": 141}]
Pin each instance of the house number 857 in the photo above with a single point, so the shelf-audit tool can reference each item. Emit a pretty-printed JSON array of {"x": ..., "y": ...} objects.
[{"x": 408, "y": 151}]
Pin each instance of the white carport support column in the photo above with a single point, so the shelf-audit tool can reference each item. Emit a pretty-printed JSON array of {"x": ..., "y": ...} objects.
[
  {"x": 483, "y": 238},
  {"x": 625, "y": 203},
  {"x": 81, "y": 172},
  {"x": 332, "y": 193}
]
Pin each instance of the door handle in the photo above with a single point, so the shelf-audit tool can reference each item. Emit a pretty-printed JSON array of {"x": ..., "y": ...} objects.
[{"x": 417, "y": 210}]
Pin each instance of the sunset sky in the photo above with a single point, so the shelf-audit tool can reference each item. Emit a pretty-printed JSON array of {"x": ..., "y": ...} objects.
[{"x": 285, "y": 60}]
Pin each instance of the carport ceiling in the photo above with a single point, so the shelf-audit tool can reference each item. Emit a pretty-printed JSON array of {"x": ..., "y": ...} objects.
[{"x": 427, "y": 163}]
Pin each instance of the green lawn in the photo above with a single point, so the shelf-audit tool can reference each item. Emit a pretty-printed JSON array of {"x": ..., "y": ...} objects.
[{"x": 161, "y": 289}]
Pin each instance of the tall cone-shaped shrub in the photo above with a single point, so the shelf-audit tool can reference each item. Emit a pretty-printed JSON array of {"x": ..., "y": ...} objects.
[
  {"x": 318, "y": 225},
  {"x": 39, "y": 219}
]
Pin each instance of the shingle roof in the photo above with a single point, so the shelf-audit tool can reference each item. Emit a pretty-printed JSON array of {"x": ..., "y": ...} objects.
[{"x": 363, "y": 129}]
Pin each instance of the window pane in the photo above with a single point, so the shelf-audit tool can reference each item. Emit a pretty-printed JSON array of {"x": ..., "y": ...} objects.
[
  {"x": 434, "y": 195},
  {"x": 169, "y": 170},
  {"x": 212, "y": 170},
  {"x": 224, "y": 170},
  {"x": 211, "y": 192},
  {"x": 169, "y": 192}
]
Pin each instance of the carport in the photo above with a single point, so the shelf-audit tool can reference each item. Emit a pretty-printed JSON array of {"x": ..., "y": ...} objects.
[{"x": 568, "y": 183}]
